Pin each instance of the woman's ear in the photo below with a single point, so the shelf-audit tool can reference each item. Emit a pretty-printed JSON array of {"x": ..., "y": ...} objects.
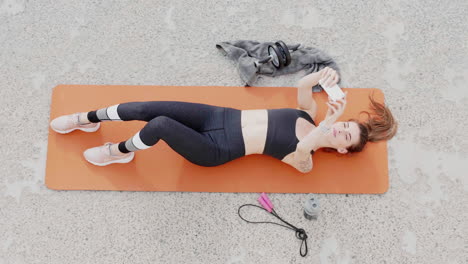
[{"x": 342, "y": 150}]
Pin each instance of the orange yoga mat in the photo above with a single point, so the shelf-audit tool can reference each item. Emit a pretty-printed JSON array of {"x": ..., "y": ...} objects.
[{"x": 159, "y": 168}]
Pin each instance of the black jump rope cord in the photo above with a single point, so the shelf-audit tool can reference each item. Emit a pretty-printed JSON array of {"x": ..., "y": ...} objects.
[{"x": 300, "y": 233}]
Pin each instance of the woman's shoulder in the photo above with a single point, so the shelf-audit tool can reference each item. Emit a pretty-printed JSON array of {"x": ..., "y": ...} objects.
[{"x": 307, "y": 114}]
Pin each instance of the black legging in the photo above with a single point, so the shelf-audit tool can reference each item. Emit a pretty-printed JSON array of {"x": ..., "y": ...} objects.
[{"x": 204, "y": 134}]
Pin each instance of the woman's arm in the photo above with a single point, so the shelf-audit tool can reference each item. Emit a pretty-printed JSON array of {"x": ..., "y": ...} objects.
[
  {"x": 304, "y": 88},
  {"x": 304, "y": 91},
  {"x": 301, "y": 158}
]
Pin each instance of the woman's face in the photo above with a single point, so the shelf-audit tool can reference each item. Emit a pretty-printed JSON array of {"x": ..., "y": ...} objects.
[{"x": 344, "y": 134}]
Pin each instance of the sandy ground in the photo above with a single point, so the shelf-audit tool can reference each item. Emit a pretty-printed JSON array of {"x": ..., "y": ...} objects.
[{"x": 415, "y": 51}]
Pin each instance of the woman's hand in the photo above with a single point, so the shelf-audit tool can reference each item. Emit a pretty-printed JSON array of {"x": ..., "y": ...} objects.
[
  {"x": 335, "y": 110},
  {"x": 312, "y": 79},
  {"x": 328, "y": 76}
]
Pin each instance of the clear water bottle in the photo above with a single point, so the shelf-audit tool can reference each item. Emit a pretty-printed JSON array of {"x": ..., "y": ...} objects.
[{"x": 311, "y": 208}]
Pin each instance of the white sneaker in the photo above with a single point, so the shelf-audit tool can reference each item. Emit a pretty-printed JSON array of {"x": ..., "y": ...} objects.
[
  {"x": 67, "y": 123},
  {"x": 101, "y": 156}
]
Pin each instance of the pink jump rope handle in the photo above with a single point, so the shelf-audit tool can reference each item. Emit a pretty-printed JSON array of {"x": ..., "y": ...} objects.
[
  {"x": 265, "y": 198},
  {"x": 264, "y": 204}
]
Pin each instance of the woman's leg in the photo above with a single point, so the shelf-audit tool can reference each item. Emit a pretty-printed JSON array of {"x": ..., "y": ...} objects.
[
  {"x": 201, "y": 117},
  {"x": 194, "y": 115},
  {"x": 192, "y": 145}
]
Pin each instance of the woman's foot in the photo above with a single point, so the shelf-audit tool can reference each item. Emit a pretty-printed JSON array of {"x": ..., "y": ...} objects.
[
  {"x": 68, "y": 123},
  {"x": 105, "y": 155}
]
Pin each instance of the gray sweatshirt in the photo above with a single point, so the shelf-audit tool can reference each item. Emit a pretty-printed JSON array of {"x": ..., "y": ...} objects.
[{"x": 245, "y": 52}]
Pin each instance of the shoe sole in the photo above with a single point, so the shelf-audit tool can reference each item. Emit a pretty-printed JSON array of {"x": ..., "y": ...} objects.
[
  {"x": 126, "y": 160},
  {"x": 89, "y": 130}
]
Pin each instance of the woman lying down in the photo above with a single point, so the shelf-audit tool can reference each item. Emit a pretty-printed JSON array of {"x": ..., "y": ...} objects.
[{"x": 209, "y": 135}]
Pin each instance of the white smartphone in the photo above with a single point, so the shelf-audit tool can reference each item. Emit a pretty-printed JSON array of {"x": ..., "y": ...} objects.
[{"x": 334, "y": 92}]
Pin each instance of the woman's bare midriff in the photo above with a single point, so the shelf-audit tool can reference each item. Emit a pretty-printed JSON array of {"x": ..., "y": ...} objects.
[
  {"x": 255, "y": 125},
  {"x": 254, "y": 130}
]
